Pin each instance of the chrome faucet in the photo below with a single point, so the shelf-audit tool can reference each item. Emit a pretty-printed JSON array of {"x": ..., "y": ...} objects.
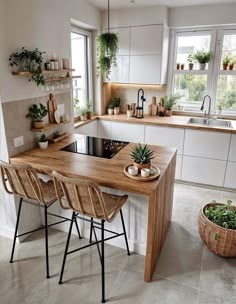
[{"x": 209, "y": 105}]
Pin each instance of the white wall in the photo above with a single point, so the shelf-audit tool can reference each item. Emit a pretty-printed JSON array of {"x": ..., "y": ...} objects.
[{"x": 202, "y": 15}]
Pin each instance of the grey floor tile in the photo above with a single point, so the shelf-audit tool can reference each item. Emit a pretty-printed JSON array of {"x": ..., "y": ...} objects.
[{"x": 206, "y": 298}]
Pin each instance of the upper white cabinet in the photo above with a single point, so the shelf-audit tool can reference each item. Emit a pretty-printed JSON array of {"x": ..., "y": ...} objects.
[
  {"x": 123, "y": 40},
  {"x": 120, "y": 73},
  {"x": 232, "y": 151},
  {"x": 204, "y": 144},
  {"x": 145, "y": 40}
]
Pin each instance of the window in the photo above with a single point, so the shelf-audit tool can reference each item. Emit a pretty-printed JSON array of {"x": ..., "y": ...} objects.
[
  {"x": 193, "y": 84},
  {"x": 81, "y": 53}
]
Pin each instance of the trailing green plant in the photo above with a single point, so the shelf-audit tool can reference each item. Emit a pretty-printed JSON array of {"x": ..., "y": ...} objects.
[
  {"x": 107, "y": 48},
  {"x": 43, "y": 138},
  {"x": 142, "y": 154},
  {"x": 170, "y": 101},
  {"x": 31, "y": 61},
  {"x": 203, "y": 57},
  {"x": 116, "y": 102},
  {"x": 222, "y": 215},
  {"x": 37, "y": 113}
]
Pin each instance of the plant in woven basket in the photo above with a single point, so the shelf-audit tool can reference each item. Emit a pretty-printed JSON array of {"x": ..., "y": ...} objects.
[{"x": 142, "y": 156}]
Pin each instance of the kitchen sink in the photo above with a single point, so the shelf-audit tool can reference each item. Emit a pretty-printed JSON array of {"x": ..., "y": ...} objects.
[{"x": 210, "y": 122}]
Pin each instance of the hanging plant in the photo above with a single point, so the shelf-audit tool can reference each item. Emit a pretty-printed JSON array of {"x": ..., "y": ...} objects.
[
  {"x": 107, "y": 47},
  {"x": 30, "y": 61}
]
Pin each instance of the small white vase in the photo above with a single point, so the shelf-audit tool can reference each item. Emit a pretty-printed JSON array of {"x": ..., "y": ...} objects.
[
  {"x": 43, "y": 145},
  {"x": 110, "y": 111}
]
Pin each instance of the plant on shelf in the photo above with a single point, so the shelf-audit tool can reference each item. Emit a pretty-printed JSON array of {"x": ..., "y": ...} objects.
[
  {"x": 169, "y": 102},
  {"x": 110, "y": 108},
  {"x": 217, "y": 228},
  {"x": 177, "y": 66},
  {"x": 30, "y": 61},
  {"x": 203, "y": 58},
  {"x": 43, "y": 142},
  {"x": 190, "y": 60},
  {"x": 37, "y": 113},
  {"x": 116, "y": 105},
  {"x": 107, "y": 48},
  {"x": 142, "y": 156},
  {"x": 182, "y": 66},
  {"x": 226, "y": 62}
]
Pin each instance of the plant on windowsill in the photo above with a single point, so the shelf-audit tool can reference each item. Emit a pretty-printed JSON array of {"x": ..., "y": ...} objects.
[
  {"x": 203, "y": 58},
  {"x": 43, "y": 142},
  {"x": 226, "y": 62},
  {"x": 88, "y": 110},
  {"x": 217, "y": 228},
  {"x": 30, "y": 61},
  {"x": 177, "y": 66},
  {"x": 190, "y": 60},
  {"x": 169, "y": 102},
  {"x": 231, "y": 64},
  {"x": 142, "y": 156},
  {"x": 37, "y": 114}
]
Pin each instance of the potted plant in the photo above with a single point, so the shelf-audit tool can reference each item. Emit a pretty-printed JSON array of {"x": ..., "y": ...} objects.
[
  {"x": 182, "y": 66},
  {"x": 226, "y": 62},
  {"x": 37, "y": 114},
  {"x": 110, "y": 109},
  {"x": 30, "y": 61},
  {"x": 177, "y": 66},
  {"x": 82, "y": 114},
  {"x": 43, "y": 142},
  {"x": 88, "y": 110},
  {"x": 231, "y": 64},
  {"x": 107, "y": 47},
  {"x": 217, "y": 228},
  {"x": 190, "y": 60},
  {"x": 169, "y": 102},
  {"x": 203, "y": 58},
  {"x": 142, "y": 156},
  {"x": 116, "y": 105}
]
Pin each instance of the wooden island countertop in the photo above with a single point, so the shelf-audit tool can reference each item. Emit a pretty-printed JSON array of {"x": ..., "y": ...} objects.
[{"x": 109, "y": 173}]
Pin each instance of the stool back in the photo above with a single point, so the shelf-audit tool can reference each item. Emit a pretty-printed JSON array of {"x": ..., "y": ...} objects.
[
  {"x": 81, "y": 196},
  {"x": 23, "y": 181}
]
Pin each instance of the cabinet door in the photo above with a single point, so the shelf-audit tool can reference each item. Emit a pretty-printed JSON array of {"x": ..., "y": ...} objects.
[
  {"x": 164, "y": 136},
  {"x": 104, "y": 129},
  {"x": 128, "y": 132},
  {"x": 89, "y": 129},
  {"x": 145, "y": 69},
  {"x": 230, "y": 177},
  {"x": 146, "y": 40},
  {"x": 178, "y": 166},
  {"x": 232, "y": 150},
  {"x": 203, "y": 171},
  {"x": 123, "y": 40},
  {"x": 206, "y": 144},
  {"x": 120, "y": 73}
]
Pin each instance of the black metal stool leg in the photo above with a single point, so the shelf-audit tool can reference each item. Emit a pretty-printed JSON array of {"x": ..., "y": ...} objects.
[
  {"x": 91, "y": 231},
  {"x": 46, "y": 240},
  {"x": 123, "y": 224},
  {"x": 103, "y": 265},
  {"x": 16, "y": 229},
  {"x": 77, "y": 227},
  {"x": 66, "y": 249}
]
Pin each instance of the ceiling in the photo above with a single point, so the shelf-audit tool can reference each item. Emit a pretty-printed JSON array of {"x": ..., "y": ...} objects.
[{"x": 102, "y": 4}]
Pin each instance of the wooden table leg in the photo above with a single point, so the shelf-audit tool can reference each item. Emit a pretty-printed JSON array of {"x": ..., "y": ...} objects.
[{"x": 159, "y": 217}]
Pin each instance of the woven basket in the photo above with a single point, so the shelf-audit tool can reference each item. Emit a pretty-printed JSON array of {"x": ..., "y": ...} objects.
[{"x": 225, "y": 246}]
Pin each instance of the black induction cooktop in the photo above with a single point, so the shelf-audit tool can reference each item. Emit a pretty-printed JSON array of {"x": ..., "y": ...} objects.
[{"x": 99, "y": 147}]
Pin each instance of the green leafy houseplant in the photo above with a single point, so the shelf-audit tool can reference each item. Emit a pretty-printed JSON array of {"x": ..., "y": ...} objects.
[
  {"x": 107, "y": 48},
  {"x": 169, "y": 102},
  {"x": 37, "y": 114},
  {"x": 142, "y": 156},
  {"x": 43, "y": 142},
  {"x": 116, "y": 102},
  {"x": 43, "y": 138},
  {"x": 30, "y": 61},
  {"x": 203, "y": 57}
]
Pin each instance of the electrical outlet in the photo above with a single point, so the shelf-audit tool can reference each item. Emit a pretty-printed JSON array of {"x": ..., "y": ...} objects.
[{"x": 18, "y": 141}]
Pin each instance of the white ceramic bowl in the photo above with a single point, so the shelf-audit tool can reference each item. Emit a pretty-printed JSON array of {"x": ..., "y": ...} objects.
[
  {"x": 132, "y": 170},
  {"x": 152, "y": 170},
  {"x": 145, "y": 172}
]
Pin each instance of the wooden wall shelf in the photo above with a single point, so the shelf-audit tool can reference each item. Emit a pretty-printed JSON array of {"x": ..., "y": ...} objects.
[
  {"x": 61, "y": 78},
  {"x": 50, "y": 126},
  {"x": 25, "y": 73}
]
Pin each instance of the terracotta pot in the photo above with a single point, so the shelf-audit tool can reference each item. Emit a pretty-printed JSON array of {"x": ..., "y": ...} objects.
[
  {"x": 87, "y": 116},
  {"x": 231, "y": 67},
  {"x": 177, "y": 66},
  {"x": 190, "y": 66},
  {"x": 225, "y": 66},
  {"x": 182, "y": 66},
  {"x": 117, "y": 110},
  {"x": 142, "y": 166},
  {"x": 169, "y": 113},
  {"x": 38, "y": 124}
]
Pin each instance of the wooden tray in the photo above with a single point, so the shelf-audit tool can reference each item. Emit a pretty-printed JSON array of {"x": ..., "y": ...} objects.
[
  {"x": 54, "y": 140},
  {"x": 139, "y": 177}
]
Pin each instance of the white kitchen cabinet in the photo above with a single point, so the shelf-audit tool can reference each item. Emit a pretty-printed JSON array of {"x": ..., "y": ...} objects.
[
  {"x": 165, "y": 136},
  {"x": 232, "y": 150},
  {"x": 128, "y": 132},
  {"x": 230, "y": 177},
  {"x": 145, "y": 40},
  {"x": 203, "y": 171},
  {"x": 120, "y": 73},
  {"x": 178, "y": 167},
  {"x": 123, "y": 40},
  {"x": 105, "y": 129},
  {"x": 214, "y": 145},
  {"x": 89, "y": 129}
]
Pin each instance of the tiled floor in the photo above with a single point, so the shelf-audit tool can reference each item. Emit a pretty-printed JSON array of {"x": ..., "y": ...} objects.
[{"x": 187, "y": 272}]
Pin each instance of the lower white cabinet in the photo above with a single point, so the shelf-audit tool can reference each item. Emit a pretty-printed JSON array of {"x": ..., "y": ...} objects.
[
  {"x": 178, "y": 167},
  {"x": 232, "y": 150},
  {"x": 89, "y": 129},
  {"x": 203, "y": 171},
  {"x": 230, "y": 177},
  {"x": 120, "y": 73},
  {"x": 128, "y": 132}
]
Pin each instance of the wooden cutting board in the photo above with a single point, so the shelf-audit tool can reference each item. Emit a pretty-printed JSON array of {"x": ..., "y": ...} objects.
[{"x": 52, "y": 107}]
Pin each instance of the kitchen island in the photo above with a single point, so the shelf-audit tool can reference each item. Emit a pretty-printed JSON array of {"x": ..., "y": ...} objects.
[{"x": 109, "y": 173}]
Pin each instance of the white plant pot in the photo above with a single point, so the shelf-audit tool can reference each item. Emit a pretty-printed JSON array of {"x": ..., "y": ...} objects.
[
  {"x": 110, "y": 111},
  {"x": 82, "y": 118},
  {"x": 43, "y": 145},
  {"x": 202, "y": 66}
]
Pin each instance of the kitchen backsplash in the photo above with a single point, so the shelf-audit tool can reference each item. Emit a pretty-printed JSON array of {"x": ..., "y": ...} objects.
[{"x": 16, "y": 124}]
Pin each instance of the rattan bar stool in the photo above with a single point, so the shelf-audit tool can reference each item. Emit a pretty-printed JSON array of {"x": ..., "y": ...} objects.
[
  {"x": 23, "y": 181},
  {"x": 85, "y": 198}
]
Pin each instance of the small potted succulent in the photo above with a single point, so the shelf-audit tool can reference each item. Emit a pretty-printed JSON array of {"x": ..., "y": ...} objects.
[
  {"x": 182, "y": 66},
  {"x": 142, "y": 156},
  {"x": 226, "y": 62},
  {"x": 83, "y": 114},
  {"x": 203, "y": 58},
  {"x": 231, "y": 64},
  {"x": 190, "y": 60},
  {"x": 37, "y": 113},
  {"x": 169, "y": 102},
  {"x": 177, "y": 66},
  {"x": 43, "y": 142},
  {"x": 217, "y": 228},
  {"x": 88, "y": 110},
  {"x": 116, "y": 104},
  {"x": 110, "y": 109}
]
